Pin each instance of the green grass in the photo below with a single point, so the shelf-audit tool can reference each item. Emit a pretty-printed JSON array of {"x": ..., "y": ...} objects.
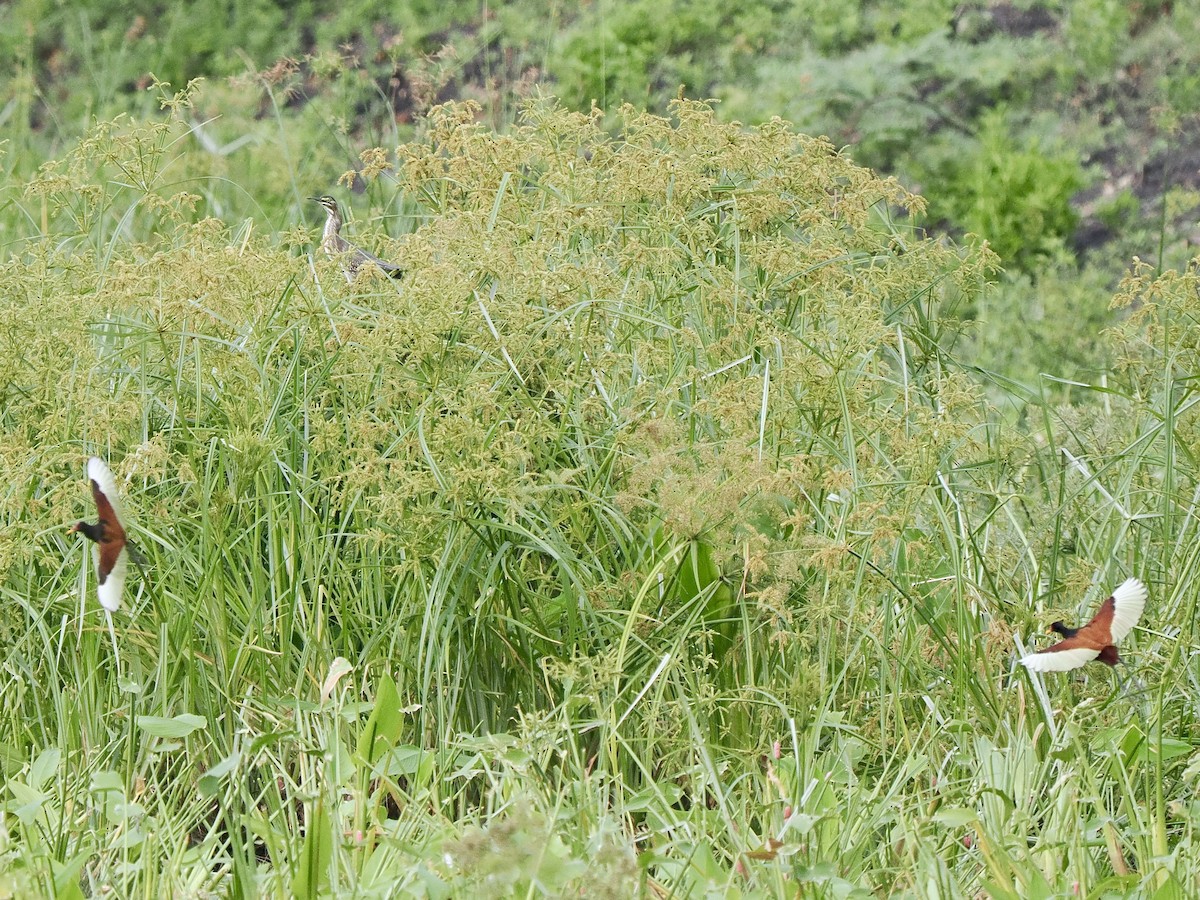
[
  {"x": 648, "y": 539},
  {"x": 1051, "y": 130}
]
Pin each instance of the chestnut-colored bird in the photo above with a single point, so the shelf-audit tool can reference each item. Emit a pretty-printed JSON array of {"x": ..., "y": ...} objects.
[
  {"x": 110, "y": 551},
  {"x": 1097, "y": 639}
]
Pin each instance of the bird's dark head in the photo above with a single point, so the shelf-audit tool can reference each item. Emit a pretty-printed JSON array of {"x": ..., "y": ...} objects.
[
  {"x": 1061, "y": 627},
  {"x": 89, "y": 531},
  {"x": 326, "y": 201}
]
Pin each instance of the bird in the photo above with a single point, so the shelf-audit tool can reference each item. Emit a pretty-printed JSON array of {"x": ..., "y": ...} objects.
[
  {"x": 353, "y": 257},
  {"x": 110, "y": 553},
  {"x": 1097, "y": 639}
]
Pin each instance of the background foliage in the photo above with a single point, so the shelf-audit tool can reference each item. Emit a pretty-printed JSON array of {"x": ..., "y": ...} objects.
[
  {"x": 1057, "y": 131},
  {"x": 669, "y": 529}
]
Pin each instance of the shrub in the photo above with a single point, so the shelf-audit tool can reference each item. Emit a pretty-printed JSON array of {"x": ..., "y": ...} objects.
[{"x": 1014, "y": 194}]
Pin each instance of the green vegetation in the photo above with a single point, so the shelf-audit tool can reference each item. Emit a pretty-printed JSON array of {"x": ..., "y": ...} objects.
[
  {"x": 672, "y": 528},
  {"x": 647, "y": 536},
  {"x": 1056, "y": 131}
]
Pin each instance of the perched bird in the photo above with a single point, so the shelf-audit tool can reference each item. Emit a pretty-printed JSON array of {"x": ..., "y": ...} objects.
[
  {"x": 352, "y": 257},
  {"x": 110, "y": 553},
  {"x": 1098, "y": 638}
]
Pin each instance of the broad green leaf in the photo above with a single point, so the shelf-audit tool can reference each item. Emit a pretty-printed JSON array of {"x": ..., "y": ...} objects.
[
  {"x": 383, "y": 728},
  {"x": 44, "y": 767},
  {"x": 173, "y": 727},
  {"x": 27, "y": 801},
  {"x": 802, "y": 823},
  {"x": 316, "y": 853},
  {"x": 955, "y": 817},
  {"x": 66, "y": 877},
  {"x": 415, "y": 763},
  {"x": 11, "y": 759},
  {"x": 210, "y": 781},
  {"x": 108, "y": 780},
  {"x": 664, "y": 794},
  {"x": 998, "y": 892}
]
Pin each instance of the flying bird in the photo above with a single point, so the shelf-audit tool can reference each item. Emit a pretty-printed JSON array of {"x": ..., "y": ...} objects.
[
  {"x": 1097, "y": 639},
  {"x": 334, "y": 244},
  {"x": 110, "y": 552}
]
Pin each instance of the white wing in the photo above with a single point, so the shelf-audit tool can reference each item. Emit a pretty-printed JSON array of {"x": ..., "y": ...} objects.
[
  {"x": 1059, "y": 660},
  {"x": 110, "y": 591},
  {"x": 98, "y": 472},
  {"x": 1128, "y": 602}
]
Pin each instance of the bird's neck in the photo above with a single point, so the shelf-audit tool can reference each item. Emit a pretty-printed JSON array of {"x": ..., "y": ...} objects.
[
  {"x": 332, "y": 242},
  {"x": 333, "y": 224},
  {"x": 91, "y": 532}
]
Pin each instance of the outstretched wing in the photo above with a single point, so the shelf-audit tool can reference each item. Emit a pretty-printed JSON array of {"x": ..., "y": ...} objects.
[
  {"x": 1062, "y": 657},
  {"x": 109, "y": 553},
  {"x": 110, "y": 575},
  {"x": 104, "y": 492},
  {"x": 1123, "y": 608}
]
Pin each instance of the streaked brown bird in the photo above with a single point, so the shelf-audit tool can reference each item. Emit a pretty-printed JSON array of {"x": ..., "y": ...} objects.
[
  {"x": 1097, "y": 640},
  {"x": 351, "y": 257},
  {"x": 110, "y": 552}
]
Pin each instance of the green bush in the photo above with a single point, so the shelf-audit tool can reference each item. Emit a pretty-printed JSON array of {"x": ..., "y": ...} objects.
[
  {"x": 891, "y": 101},
  {"x": 1096, "y": 35},
  {"x": 1011, "y": 192},
  {"x": 646, "y": 50}
]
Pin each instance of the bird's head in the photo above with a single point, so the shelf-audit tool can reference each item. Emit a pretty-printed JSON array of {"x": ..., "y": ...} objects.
[
  {"x": 326, "y": 201},
  {"x": 91, "y": 532},
  {"x": 1060, "y": 627}
]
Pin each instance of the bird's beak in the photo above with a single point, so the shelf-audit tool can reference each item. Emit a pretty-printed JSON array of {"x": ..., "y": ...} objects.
[{"x": 315, "y": 199}]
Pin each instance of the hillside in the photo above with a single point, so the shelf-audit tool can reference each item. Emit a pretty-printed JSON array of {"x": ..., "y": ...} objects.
[{"x": 673, "y": 527}]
